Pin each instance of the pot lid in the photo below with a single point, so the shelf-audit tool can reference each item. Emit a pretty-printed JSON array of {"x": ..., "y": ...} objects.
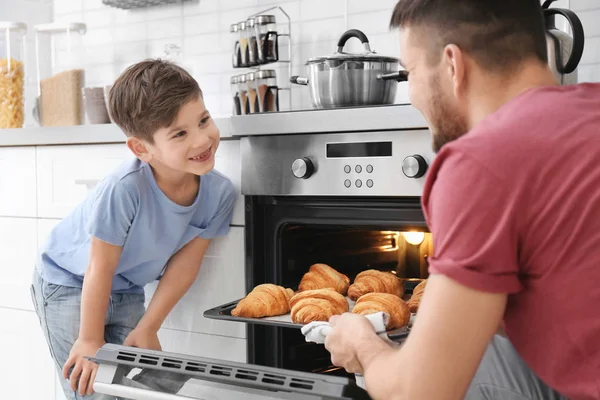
[{"x": 340, "y": 55}]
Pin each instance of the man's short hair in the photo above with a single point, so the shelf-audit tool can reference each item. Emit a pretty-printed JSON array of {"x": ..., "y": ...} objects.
[
  {"x": 498, "y": 34},
  {"x": 148, "y": 96}
]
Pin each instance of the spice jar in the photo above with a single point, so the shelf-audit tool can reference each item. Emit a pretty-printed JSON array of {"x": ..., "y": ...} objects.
[
  {"x": 266, "y": 84},
  {"x": 59, "y": 51},
  {"x": 243, "y": 95},
  {"x": 237, "y": 105},
  {"x": 266, "y": 32},
  {"x": 252, "y": 43},
  {"x": 253, "y": 106},
  {"x": 236, "y": 56},
  {"x": 243, "y": 44},
  {"x": 12, "y": 74}
]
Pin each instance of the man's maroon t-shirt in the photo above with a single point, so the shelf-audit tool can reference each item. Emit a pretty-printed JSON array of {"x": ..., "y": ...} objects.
[{"x": 514, "y": 207}]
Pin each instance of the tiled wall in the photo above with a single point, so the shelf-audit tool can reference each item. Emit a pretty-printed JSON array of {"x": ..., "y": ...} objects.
[{"x": 117, "y": 38}]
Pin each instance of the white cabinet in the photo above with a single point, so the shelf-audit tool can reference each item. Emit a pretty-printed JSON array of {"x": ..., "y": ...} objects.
[
  {"x": 66, "y": 173},
  {"x": 221, "y": 279},
  {"x": 17, "y": 182},
  {"x": 228, "y": 161},
  {"x": 18, "y": 244},
  {"x": 27, "y": 371},
  {"x": 200, "y": 345}
]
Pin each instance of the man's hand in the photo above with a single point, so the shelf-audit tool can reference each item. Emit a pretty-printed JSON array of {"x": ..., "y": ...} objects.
[
  {"x": 83, "y": 370},
  {"x": 350, "y": 334},
  {"x": 143, "y": 338}
]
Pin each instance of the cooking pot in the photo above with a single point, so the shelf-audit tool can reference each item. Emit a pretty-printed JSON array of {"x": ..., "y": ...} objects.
[{"x": 347, "y": 80}]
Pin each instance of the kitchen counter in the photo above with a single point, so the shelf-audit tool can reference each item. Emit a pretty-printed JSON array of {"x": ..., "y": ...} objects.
[{"x": 81, "y": 134}]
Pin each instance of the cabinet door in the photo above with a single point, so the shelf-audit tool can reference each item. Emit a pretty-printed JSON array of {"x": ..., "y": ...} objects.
[
  {"x": 228, "y": 161},
  {"x": 65, "y": 174},
  {"x": 27, "y": 370},
  {"x": 18, "y": 244},
  {"x": 17, "y": 182},
  {"x": 221, "y": 280}
]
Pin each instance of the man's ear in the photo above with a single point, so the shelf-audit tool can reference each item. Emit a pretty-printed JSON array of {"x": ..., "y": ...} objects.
[
  {"x": 139, "y": 149},
  {"x": 454, "y": 65}
]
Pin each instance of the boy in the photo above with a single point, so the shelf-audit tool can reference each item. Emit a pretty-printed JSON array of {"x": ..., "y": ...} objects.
[{"x": 153, "y": 216}]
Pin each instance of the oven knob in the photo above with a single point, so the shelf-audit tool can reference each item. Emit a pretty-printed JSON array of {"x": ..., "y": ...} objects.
[
  {"x": 414, "y": 166},
  {"x": 302, "y": 168}
]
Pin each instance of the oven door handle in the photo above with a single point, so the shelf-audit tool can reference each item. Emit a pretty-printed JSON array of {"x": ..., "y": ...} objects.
[{"x": 133, "y": 393}]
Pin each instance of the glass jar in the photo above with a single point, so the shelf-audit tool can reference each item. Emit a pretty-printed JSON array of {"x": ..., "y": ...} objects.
[
  {"x": 268, "y": 92},
  {"x": 236, "y": 56},
  {"x": 243, "y": 94},
  {"x": 237, "y": 105},
  {"x": 252, "y": 43},
  {"x": 253, "y": 106},
  {"x": 266, "y": 32},
  {"x": 12, "y": 74},
  {"x": 243, "y": 44},
  {"x": 59, "y": 50}
]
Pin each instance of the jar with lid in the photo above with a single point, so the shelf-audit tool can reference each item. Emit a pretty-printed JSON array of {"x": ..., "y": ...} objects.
[
  {"x": 252, "y": 43},
  {"x": 237, "y": 105},
  {"x": 12, "y": 74},
  {"x": 243, "y": 33},
  {"x": 59, "y": 51},
  {"x": 253, "y": 106},
  {"x": 267, "y": 90},
  {"x": 236, "y": 56},
  {"x": 266, "y": 32},
  {"x": 243, "y": 94}
]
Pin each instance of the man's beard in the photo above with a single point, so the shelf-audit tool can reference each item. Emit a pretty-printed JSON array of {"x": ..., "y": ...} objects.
[{"x": 446, "y": 124}]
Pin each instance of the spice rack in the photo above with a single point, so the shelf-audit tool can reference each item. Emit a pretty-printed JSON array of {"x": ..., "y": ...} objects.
[{"x": 258, "y": 54}]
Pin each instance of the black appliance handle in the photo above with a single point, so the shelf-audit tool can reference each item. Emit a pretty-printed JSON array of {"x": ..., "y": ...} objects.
[
  {"x": 350, "y": 34},
  {"x": 547, "y": 4},
  {"x": 399, "y": 76},
  {"x": 578, "y": 38}
]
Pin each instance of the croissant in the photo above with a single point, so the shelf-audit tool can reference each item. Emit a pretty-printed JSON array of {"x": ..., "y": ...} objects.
[
  {"x": 373, "y": 281},
  {"x": 317, "y": 305},
  {"x": 264, "y": 300},
  {"x": 391, "y": 304},
  {"x": 415, "y": 299},
  {"x": 322, "y": 276}
]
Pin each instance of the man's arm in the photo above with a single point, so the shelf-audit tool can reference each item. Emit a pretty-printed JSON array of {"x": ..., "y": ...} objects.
[
  {"x": 446, "y": 344},
  {"x": 179, "y": 276}
]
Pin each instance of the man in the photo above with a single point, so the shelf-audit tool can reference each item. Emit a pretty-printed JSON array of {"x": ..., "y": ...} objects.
[{"x": 513, "y": 203}]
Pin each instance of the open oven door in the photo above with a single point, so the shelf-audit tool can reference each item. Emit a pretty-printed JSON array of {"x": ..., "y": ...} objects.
[{"x": 140, "y": 374}]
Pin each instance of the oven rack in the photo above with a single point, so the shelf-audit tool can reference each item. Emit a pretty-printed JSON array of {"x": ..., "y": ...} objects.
[{"x": 230, "y": 373}]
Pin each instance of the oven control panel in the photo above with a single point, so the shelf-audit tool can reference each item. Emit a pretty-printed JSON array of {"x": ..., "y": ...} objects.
[{"x": 391, "y": 163}]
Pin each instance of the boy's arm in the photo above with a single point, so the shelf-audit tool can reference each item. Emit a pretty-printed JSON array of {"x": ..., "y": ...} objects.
[{"x": 179, "y": 275}]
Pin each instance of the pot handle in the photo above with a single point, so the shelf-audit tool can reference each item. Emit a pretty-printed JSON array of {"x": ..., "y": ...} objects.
[
  {"x": 578, "y": 38},
  {"x": 353, "y": 33},
  {"x": 547, "y": 4},
  {"x": 299, "y": 80},
  {"x": 399, "y": 76}
]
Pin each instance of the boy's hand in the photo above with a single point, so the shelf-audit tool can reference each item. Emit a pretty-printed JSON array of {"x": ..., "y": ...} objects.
[
  {"x": 143, "y": 338},
  {"x": 83, "y": 369}
]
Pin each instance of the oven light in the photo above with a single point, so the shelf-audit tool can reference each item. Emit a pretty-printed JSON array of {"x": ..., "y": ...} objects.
[{"x": 414, "y": 238}]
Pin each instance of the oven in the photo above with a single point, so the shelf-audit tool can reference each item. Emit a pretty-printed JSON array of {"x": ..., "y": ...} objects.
[{"x": 347, "y": 199}]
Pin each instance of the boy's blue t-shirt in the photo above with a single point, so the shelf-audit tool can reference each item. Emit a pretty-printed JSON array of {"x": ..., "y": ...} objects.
[{"x": 128, "y": 209}]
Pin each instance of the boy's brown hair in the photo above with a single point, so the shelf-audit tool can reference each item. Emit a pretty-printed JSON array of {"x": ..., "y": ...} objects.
[{"x": 148, "y": 95}]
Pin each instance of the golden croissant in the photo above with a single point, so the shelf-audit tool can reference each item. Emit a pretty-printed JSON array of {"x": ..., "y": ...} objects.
[
  {"x": 317, "y": 305},
  {"x": 322, "y": 276},
  {"x": 391, "y": 304},
  {"x": 264, "y": 300},
  {"x": 373, "y": 281},
  {"x": 415, "y": 299}
]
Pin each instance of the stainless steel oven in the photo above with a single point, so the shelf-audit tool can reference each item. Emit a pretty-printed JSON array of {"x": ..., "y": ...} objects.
[{"x": 340, "y": 187}]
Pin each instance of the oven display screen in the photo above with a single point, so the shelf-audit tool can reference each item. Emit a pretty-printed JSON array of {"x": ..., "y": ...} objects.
[{"x": 366, "y": 149}]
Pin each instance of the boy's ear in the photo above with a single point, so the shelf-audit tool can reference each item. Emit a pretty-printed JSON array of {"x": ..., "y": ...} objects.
[{"x": 139, "y": 149}]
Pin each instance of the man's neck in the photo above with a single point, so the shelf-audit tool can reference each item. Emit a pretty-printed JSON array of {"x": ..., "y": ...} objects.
[{"x": 499, "y": 90}]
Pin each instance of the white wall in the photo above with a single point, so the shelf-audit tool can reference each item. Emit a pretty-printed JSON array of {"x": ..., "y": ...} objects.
[{"x": 589, "y": 13}]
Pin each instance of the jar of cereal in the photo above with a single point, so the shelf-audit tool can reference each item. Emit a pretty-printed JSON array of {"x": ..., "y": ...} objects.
[{"x": 12, "y": 73}]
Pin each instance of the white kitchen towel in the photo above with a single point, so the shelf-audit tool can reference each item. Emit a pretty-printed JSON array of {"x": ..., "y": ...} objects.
[{"x": 317, "y": 331}]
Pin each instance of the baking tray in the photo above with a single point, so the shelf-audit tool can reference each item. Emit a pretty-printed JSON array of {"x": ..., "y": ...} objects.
[{"x": 223, "y": 312}]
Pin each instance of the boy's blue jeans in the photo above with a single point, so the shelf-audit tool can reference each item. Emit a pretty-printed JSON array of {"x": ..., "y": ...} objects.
[{"x": 58, "y": 309}]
